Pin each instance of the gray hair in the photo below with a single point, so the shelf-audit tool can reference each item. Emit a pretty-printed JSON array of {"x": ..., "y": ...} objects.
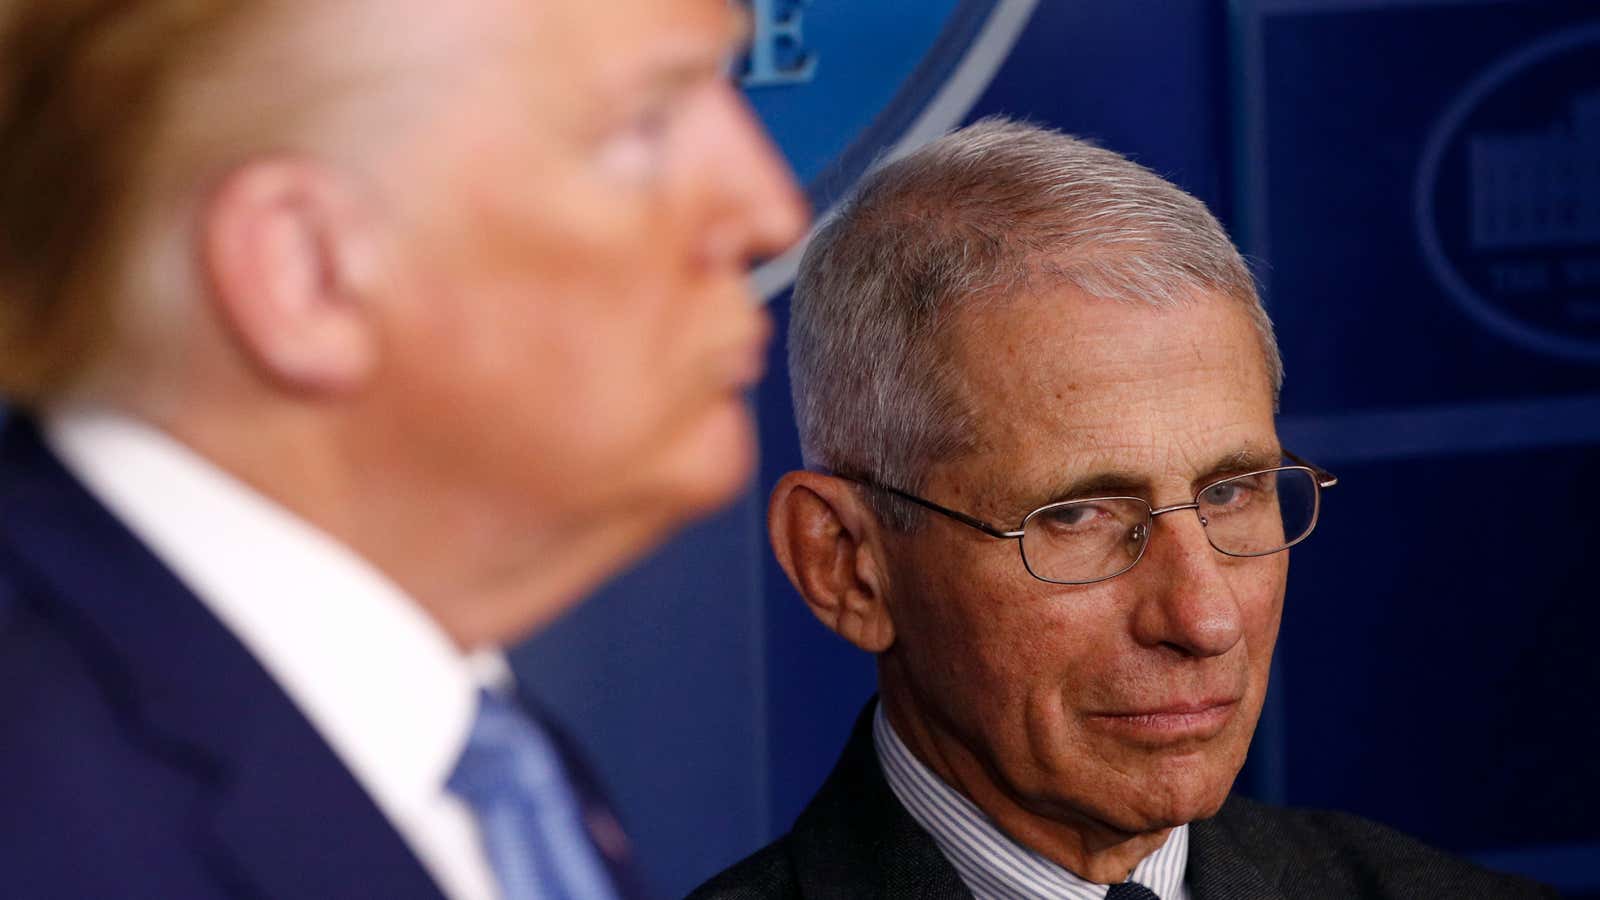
[{"x": 981, "y": 213}]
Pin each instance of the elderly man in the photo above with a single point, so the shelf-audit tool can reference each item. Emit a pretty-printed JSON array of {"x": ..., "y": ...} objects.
[
  {"x": 347, "y": 341},
  {"x": 1036, "y": 393}
]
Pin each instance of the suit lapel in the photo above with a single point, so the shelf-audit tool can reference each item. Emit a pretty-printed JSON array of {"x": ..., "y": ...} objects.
[
  {"x": 1219, "y": 869},
  {"x": 855, "y": 840},
  {"x": 291, "y": 822},
  {"x": 287, "y": 819}
]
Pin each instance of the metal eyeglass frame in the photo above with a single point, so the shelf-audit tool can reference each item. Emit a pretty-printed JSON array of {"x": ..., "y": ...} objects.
[{"x": 1321, "y": 477}]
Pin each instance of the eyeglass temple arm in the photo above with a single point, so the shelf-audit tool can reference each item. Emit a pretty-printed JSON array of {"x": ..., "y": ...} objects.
[
  {"x": 961, "y": 517},
  {"x": 1324, "y": 477}
]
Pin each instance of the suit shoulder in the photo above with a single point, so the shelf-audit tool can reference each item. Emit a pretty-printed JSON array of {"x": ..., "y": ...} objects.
[
  {"x": 10, "y": 604},
  {"x": 41, "y": 673},
  {"x": 767, "y": 874},
  {"x": 1364, "y": 856},
  {"x": 56, "y": 714}
]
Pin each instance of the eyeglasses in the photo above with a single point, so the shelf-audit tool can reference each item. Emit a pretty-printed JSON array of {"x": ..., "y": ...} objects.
[{"x": 1085, "y": 541}]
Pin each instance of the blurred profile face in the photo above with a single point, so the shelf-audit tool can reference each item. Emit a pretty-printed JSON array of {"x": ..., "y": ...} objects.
[
  {"x": 574, "y": 330},
  {"x": 1127, "y": 703}
]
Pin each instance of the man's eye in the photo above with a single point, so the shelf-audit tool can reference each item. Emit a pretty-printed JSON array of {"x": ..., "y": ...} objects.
[
  {"x": 1076, "y": 517},
  {"x": 634, "y": 150},
  {"x": 651, "y": 124},
  {"x": 1230, "y": 494}
]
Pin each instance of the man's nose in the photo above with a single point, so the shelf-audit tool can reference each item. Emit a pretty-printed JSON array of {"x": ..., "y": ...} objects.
[
  {"x": 1185, "y": 601},
  {"x": 765, "y": 212}
]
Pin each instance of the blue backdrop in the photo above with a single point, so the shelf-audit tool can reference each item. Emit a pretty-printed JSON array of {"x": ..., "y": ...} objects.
[{"x": 1419, "y": 183}]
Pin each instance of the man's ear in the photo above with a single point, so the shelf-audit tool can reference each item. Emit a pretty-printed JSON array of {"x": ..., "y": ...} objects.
[
  {"x": 825, "y": 538},
  {"x": 286, "y": 253}
]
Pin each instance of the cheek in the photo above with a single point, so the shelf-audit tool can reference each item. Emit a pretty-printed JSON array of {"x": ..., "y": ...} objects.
[
  {"x": 998, "y": 643},
  {"x": 584, "y": 233},
  {"x": 613, "y": 255},
  {"x": 1258, "y": 586},
  {"x": 579, "y": 309},
  {"x": 1262, "y": 620},
  {"x": 627, "y": 307},
  {"x": 1260, "y": 594}
]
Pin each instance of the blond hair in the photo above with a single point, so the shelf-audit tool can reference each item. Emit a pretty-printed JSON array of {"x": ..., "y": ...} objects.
[
  {"x": 115, "y": 117},
  {"x": 83, "y": 84}
]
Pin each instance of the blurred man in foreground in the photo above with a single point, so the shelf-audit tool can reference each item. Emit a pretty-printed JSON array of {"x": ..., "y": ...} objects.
[
  {"x": 347, "y": 341},
  {"x": 1014, "y": 341}
]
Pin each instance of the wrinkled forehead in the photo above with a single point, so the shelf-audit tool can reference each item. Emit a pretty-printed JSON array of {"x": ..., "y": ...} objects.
[
  {"x": 582, "y": 45},
  {"x": 570, "y": 42},
  {"x": 360, "y": 75},
  {"x": 1065, "y": 389}
]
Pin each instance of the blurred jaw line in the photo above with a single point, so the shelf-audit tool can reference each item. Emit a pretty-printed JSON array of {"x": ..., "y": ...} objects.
[{"x": 351, "y": 132}]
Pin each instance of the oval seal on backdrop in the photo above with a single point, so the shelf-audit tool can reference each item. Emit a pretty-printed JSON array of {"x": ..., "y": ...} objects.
[
  {"x": 1508, "y": 196},
  {"x": 842, "y": 84}
]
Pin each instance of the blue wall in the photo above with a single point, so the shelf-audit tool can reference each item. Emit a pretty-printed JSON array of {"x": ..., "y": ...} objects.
[{"x": 1389, "y": 167}]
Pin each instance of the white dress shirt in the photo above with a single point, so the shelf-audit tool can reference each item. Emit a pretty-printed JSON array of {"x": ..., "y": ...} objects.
[
  {"x": 375, "y": 675},
  {"x": 990, "y": 863}
]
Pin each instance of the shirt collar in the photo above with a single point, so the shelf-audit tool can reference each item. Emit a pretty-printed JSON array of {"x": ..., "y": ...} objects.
[
  {"x": 375, "y": 675},
  {"x": 989, "y": 862}
]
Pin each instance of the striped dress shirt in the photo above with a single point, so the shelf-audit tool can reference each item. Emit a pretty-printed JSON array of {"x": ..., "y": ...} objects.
[{"x": 992, "y": 865}]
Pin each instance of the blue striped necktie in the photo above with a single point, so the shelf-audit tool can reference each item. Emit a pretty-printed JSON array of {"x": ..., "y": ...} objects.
[
  {"x": 1130, "y": 890},
  {"x": 528, "y": 813}
]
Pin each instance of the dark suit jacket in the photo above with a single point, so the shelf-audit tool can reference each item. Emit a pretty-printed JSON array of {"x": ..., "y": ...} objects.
[
  {"x": 856, "y": 841},
  {"x": 143, "y": 751}
]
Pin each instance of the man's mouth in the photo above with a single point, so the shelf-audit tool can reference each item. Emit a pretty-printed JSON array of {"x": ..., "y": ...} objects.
[
  {"x": 744, "y": 362},
  {"x": 1181, "y": 720}
]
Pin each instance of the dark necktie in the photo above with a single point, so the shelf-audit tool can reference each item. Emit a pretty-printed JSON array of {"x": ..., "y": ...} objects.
[{"x": 1130, "y": 890}]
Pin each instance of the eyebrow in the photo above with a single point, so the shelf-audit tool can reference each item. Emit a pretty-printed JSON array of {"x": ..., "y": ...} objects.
[
  {"x": 674, "y": 74},
  {"x": 686, "y": 62},
  {"x": 1100, "y": 484},
  {"x": 1248, "y": 459},
  {"x": 1124, "y": 483}
]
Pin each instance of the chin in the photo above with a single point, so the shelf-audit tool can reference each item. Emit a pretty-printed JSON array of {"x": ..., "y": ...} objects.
[
  {"x": 1160, "y": 806},
  {"x": 1186, "y": 788},
  {"x": 1144, "y": 792},
  {"x": 713, "y": 465}
]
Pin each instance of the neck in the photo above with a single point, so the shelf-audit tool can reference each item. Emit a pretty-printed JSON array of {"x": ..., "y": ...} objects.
[
  {"x": 1091, "y": 849},
  {"x": 488, "y": 570}
]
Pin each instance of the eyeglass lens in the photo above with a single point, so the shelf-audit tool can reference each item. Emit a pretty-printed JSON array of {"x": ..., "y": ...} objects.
[{"x": 1089, "y": 540}]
